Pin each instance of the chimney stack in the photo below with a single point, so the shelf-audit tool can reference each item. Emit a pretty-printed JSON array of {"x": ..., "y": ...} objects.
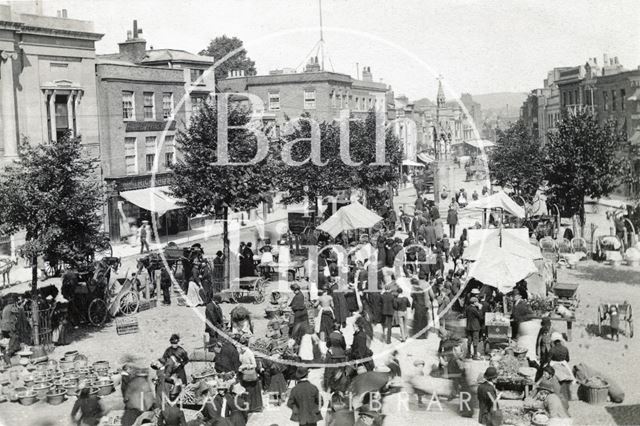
[
  {"x": 366, "y": 74},
  {"x": 64, "y": 13},
  {"x": 605, "y": 59},
  {"x": 134, "y": 48}
]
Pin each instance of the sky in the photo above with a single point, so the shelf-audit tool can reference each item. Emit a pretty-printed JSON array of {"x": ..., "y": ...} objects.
[{"x": 476, "y": 46}]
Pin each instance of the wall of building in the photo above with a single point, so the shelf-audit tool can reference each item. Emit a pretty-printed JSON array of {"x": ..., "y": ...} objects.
[{"x": 113, "y": 80}]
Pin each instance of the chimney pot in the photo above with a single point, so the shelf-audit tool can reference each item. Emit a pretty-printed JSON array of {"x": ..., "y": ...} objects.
[
  {"x": 59, "y": 13},
  {"x": 128, "y": 34},
  {"x": 64, "y": 13}
]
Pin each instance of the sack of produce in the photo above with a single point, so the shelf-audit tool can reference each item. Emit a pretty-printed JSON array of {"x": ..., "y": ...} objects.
[{"x": 583, "y": 373}]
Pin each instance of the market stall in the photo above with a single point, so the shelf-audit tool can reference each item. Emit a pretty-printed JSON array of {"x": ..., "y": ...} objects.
[{"x": 351, "y": 217}]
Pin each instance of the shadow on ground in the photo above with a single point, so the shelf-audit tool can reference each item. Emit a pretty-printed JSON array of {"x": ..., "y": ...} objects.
[{"x": 612, "y": 274}]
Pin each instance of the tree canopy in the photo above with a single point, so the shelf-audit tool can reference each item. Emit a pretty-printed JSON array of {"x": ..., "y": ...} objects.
[
  {"x": 517, "y": 160},
  {"x": 52, "y": 192},
  {"x": 581, "y": 160},
  {"x": 330, "y": 173},
  {"x": 219, "y": 47}
]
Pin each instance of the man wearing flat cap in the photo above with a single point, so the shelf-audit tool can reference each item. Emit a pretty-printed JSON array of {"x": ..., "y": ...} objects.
[
  {"x": 488, "y": 398},
  {"x": 304, "y": 400}
]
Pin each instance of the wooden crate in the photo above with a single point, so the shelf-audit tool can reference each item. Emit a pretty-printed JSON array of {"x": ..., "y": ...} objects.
[
  {"x": 127, "y": 325},
  {"x": 146, "y": 304}
]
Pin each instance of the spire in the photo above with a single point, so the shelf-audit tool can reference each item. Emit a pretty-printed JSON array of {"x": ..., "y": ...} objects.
[{"x": 440, "y": 98}]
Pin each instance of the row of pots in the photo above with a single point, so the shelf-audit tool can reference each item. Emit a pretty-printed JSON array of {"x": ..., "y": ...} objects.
[{"x": 55, "y": 393}]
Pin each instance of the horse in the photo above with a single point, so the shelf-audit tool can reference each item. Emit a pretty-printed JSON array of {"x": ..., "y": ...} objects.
[{"x": 5, "y": 269}]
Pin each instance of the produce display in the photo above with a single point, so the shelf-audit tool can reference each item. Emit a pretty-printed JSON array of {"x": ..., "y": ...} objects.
[
  {"x": 542, "y": 303},
  {"x": 508, "y": 367}
]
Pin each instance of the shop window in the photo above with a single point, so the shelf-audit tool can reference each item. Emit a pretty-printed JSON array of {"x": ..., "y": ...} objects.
[
  {"x": 274, "y": 101},
  {"x": 309, "y": 99}
]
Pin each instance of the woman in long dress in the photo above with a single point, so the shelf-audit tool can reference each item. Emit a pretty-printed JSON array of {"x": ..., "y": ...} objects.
[
  {"x": 419, "y": 306},
  {"x": 193, "y": 294},
  {"x": 254, "y": 388}
]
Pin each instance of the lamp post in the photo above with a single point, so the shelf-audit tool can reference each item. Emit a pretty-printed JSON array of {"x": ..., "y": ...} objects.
[{"x": 558, "y": 217}]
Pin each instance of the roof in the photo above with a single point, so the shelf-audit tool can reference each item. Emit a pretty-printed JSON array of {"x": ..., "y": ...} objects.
[
  {"x": 156, "y": 56},
  {"x": 175, "y": 55}
]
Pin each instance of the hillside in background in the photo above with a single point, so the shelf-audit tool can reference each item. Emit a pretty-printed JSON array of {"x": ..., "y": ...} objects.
[{"x": 504, "y": 103}]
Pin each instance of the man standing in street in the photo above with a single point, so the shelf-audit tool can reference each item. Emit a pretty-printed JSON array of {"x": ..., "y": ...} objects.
[
  {"x": 165, "y": 285},
  {"x": 388, "y": 300},
  {"x": 452, "y": 221},
  {"x": 304, "y": 400},
  {"x": 144, "y": 231},
  {"x": 474, "y": 325},
  {"x": 214, "y": 320},
  {"x": 521, "y": 312}
]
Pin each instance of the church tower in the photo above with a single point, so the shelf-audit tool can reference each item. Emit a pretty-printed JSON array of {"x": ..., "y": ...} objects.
[{"x": 440, "y": 100}]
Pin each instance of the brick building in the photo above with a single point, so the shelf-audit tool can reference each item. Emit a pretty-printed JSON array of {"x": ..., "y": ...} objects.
[
  {"x": 144, "y": 98},
  {"x": 321, "y": 94},
  {"x": 47, "y": 83}
]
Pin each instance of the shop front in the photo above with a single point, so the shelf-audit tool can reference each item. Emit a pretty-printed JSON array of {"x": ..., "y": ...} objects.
[{"x": 133, "y": 199}]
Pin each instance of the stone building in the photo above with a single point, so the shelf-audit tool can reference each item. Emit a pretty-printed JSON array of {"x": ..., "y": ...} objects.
[
  {"x": 47, "y": 83},
  {"x": 145, "y": 95}
]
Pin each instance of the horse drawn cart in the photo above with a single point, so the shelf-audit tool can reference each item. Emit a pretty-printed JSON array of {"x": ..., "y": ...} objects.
[
  {"x": 253, "y": 287},
  {"x": 625, "y": 314}
]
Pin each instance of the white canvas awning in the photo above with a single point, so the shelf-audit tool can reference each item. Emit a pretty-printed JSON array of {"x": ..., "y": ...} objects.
[
  {"x": 427, "y": 159},
  {"x": 353, "y": 216},
  {"x": 480, "y": 143},
  {"x": 412, "y": 163},
  {"x": 156, "y": 199},
  {"x": 499, "y": 200}
]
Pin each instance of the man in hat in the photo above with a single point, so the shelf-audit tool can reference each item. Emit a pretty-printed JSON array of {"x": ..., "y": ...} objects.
[
  {"x": 144, "y": 232},
  {"x": 488, "y": 396},
  {"x": 178, "y": 355},
  {"x": 388, "y": 303},
  {"x": 214, "y": 320},
  {"x": 474, "y": 325},
  {"x": 304, "y": 400},
  {"x": 298, "y": 307},
  {"x": 521, "y": 312},
  {"x": 551, "y": 401}
]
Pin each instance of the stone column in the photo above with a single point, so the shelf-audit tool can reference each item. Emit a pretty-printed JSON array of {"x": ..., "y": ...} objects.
[
  {"x": 71, "y": 112},
  {"x": 76, "y": 110},
  {"x": 52, "y": 115},
  {"x": 7, "y": 104}
]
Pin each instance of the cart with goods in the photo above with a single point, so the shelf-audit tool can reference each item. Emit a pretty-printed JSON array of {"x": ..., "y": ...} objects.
[
  {"x": 196, "y": 394},
  {"x": 515, "y": 377},
  {"x": 566, "y": 294},
  {"x": 180, "y": 260},
  {"x": 625, "y": 314},
  {"x": 608, "y": 249},
  {"x": 498, "y": 330},
  {"x": 253, "y": 287}
]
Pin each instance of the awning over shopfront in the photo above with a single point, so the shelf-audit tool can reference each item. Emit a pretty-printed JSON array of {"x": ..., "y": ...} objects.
[
  {"x": 412, "y": 163},
  {"x": 156, "y": 199},
  {"x": 427, "y": 159},
  {"x": 480, "y": 144},
  {"x": 635, "y": 96}
]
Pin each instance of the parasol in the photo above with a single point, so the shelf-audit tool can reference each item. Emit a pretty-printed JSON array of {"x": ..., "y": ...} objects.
[
  {"x": 501, "y": 269},
  {"x": 370, "y": 381},
  {"x": 353, "y": 216}
]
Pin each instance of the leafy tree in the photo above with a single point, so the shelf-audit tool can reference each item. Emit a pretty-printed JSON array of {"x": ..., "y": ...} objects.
[
  {"x": 581, "y": 160},
  {"x": 51, "y": 192},
  {"x": 210, "y": 188},
  {"x": 332, "y": 173},
  {"x": 517, "y": 160},
  {"x": 219, "y": 47}
]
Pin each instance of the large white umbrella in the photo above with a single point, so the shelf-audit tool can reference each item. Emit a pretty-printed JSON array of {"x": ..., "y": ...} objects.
[
  {"x": 353, "y": 216},
  {"x": 499, "y": 200},
  {"x": 488, "y": 245},
  {"x": 501, "y": 269}
]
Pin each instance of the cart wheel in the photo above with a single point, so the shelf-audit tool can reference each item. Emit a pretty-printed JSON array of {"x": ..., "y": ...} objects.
[
  {"x": 129, "y": 303},
  {"x": 599, "y": 322},
  {"x": 97, "y": 312},
  {"x": 259, "y": 293}
]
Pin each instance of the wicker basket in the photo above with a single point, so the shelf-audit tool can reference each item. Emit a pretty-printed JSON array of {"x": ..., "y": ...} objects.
[{"x": 596, "y": 395}]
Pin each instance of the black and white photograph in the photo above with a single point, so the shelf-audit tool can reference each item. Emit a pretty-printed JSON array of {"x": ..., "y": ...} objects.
[{"x": 319, "y": 212}]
